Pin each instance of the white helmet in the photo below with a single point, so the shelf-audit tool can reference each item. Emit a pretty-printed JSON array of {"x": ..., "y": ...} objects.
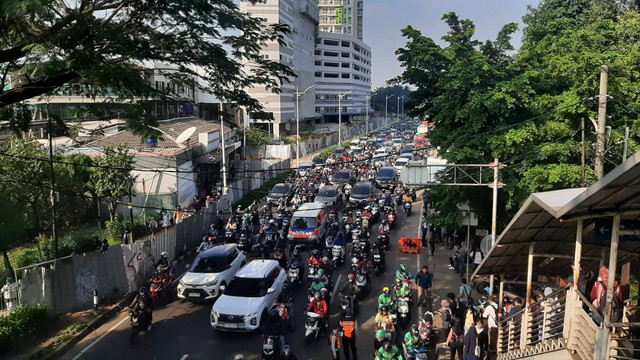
[{"x": 164, "y": 254}]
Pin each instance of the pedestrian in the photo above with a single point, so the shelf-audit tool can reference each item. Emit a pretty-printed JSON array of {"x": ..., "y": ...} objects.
[
  {"x": 447, "y": 319},
  {"x": 178, "y": 214},
  {"x": 455, "y": 340},
  {"x": 454, "y": 305},
  {"x": 432, "y": 239},
  {"x": 424, "y": 228},
  {"x": 491, "y": 314},
  {"x": 455, "y": 263},
  {"x": 334, "y": 342},
  {"x": 424, "y": 282},
  {"x": 475, "y": 342},
  {"x": 475, "y": 258},
  {"x": 469, "y": 319},
  {"x": 349, "y": 334},
  {"x": 465, "y": 293}
]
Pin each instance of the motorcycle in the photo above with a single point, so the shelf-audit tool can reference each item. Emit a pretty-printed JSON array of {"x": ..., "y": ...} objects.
[
  {"x": 270, "y": 348},
  {"x": 244, "y": 243},
  {"x": 403, "y": 310},
  {"x": 391, "y": 219},
  {"x": 362, "y": 284},
  {"x": 311, "y": 273},
  {"x": 407, "y": 208},
  {"x": 428, "y": 336},
  {"x": 293, "y": 273},
  {"x": 138, "y": 320},
  {"x": 158, "y": 286},
  {"x": 312, "y": 327},
  {"x": 347, "y": 302},
  {"x": 337, "y": 255},
  {"x": 383, "y": 240},
  {"x": 378, "y": 263}
]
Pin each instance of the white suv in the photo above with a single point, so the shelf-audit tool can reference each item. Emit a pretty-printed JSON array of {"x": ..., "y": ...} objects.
[
  {"x": 245, "y": 302},
  {"x": 211, "y": 271}
]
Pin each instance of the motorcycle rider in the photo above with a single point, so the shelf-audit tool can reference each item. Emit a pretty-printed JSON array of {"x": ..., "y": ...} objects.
[
  {"x": 296, "y": 200},
  {"x": 382, "y": 320},
  {"x": 402, "y": 273},
  {"x": 142, "y": 301},
  {"x": 287, "y": 354},
  {"x": 275, "y": 326},
  {"x": 315, "y": 258},
  {"x": 388, "y": 352},
  {"x": 411, "y": 338},
  {"x": 205, "y": 245},
  {"x": 383, "y": 228},
  {"x": 295, "y": 255},
  {"x": 350, "y": 289},
  {"x": 324, "y": 279},
  {"x": 316, "y": 285},
  {"x": 286, "y": 297},
  {"x": 378, "y": 341},
  {"x": 319, "y": 306},
  {"x": 385, "y": 298},
  {"x": 326, "y": 266},
  {"x": 165, "y": 264},
  {"x": 401, "y": 289},
  {"x": 340, "y": 241}
]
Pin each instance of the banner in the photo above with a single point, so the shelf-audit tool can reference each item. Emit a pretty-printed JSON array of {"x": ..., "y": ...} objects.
[{"x": 339, "y": 15}]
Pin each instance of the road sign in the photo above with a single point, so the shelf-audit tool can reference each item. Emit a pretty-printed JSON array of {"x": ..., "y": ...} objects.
[
  {"x": 482, "y": 232},
  {"x": 602, "y": 229}
]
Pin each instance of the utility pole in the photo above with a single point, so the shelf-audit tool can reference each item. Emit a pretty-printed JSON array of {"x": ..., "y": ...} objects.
[
  {"x": 298, "y": 94},
  {"x": 386, "y": 106},
  {"x": 626, "y": 143},
  {"x": 340, "y": 96},
  {"x": 52, "y": 179},
  {"x": 367, "y": 115},
  {"x": 224, "y": 158},
  {"x": 583, "y": 151},
  {"x": 602, "y": 119},
  {"x": 494, "y": 212}
]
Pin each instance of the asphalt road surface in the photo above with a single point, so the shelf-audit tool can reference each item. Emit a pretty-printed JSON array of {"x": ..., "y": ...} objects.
[{"x": 182, "y": 331}]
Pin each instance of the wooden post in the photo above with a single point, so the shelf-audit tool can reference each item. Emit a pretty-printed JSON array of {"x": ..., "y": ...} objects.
[
  {"x": 578, "y": 253},
  {"x": 613, "y": 261},
  {"x": 529, "y": 273}
]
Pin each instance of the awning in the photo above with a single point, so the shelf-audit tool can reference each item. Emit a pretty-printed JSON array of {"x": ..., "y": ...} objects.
[{"x": 547, "y": 220}]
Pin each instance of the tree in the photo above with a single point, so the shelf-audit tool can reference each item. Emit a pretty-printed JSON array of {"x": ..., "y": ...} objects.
[
  {"x": 45, "y": 44},
  {"x": 112, "y": 177},
  {"x": 256, "y": 136}
]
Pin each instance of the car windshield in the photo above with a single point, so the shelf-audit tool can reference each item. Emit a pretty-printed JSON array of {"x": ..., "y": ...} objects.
[
  {"x": 208, "y": 264},
  {"x": 341, "y": 175},
  {"x": 305, "y": 166},
  {"x": 279, "y": 190},
  {"x": 401, "y": 163},
  {"x": 303, "y": 223},
  {"x": 361, "y": 190},
  {"x": 386, "y": 173},
  {"x": 397, "y": 141},
  {"x": 246, "y": 287},
  {"x": 327, "y": 192}
]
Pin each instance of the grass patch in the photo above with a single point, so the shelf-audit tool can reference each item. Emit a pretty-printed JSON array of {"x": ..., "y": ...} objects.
[{"x": 68, "y": 333}]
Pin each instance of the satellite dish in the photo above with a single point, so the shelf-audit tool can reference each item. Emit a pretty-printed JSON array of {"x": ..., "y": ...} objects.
[{"x": 185, "y": 135}]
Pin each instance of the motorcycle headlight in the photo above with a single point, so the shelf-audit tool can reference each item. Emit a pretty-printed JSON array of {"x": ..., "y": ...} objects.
[{"x": 212, "y": 283}]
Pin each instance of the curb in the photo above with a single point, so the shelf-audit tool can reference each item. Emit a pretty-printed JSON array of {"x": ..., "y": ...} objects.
[{"x": 98, "y": 321}]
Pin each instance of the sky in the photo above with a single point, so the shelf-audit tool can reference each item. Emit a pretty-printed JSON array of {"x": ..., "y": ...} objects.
[{"x": 383, "y": 20}]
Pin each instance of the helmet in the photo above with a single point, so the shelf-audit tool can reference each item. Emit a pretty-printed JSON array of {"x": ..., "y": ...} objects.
[
  {"x": 387, "y": 346},
  {"x": 414, "y": 330},
  {"x": 325, "y": 260},
  {"x": 385, "y": 290},
  {"x": 285, "y": 287},
  {"x": 261, "y": 230},
  {"x": 317, "y": 295},
  {"x": 239, "y": 207},
  {"x": 314, "y": 252},
  {"x": 380, "y": 333},
  {"x": 274, "y": 313},
  {"x": 368, "y": 207},
  {"x": 347, "y": 313},
  {"x": 142, "y": 291},
  {"x": 324, "y": 292},
  {"x": 272, "y": 221},
  {"x": 321, "y": 272},
  {"x": 384, "y": 308},
  {"x": 351, "y": 277},
  {"x": 164, "y": 254},
  {"x": 398, "y": 282},
  {"x": 238, "y": 357},
  {"x": 403, "y": 267}
]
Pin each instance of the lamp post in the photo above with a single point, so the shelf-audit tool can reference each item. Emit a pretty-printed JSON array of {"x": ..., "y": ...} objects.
[
  {"x": 368, "y": 97},
  {"x": 386, "y": 105},
  {"x": 400, "y": 98},
  {"x": 340, "y": 96},
  {"x": 298, "y": 94}
]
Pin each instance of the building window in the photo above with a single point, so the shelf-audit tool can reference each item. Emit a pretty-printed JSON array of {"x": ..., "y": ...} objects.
[
  {"x": 318, "y": 74},
  {"x": 330, "y": 64},
  {"x": 345, "y": 44},
  {"x": 345, "y": 76},
  {"x": 345, "y": 55},
  {"x": 318, "y": 63},
  {"x": 331, "y": 42},
  {"x": 346, "y": 65},
  {"x": 330, "y": 75},
  {"x": 330, "y": 53}
]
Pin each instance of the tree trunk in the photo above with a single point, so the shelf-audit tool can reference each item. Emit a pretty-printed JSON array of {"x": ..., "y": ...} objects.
[{"x": 7, "y": 262}]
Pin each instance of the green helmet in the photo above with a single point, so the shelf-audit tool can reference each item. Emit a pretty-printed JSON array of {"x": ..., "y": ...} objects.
[
  {"x": 380, "y": 333},
  {"x": 403, "y": 267},
  {"x": 321, "y": 271}
]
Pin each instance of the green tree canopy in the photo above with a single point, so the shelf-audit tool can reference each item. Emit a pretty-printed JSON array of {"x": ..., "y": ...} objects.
[{"x": 379, "y": 95}]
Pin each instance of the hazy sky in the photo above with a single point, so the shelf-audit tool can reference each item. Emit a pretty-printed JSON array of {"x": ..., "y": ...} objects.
[{"x": 383, "y": 20}]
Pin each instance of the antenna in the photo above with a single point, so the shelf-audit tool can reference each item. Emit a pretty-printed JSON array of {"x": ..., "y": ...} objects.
[{"x": 185, "y": 135}]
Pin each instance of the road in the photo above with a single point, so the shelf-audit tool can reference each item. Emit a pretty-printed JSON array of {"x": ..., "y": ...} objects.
[{"x": 182, "y": 331}]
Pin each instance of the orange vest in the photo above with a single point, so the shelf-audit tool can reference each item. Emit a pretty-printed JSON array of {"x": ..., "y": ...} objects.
[{"x": 348, "y": 326}]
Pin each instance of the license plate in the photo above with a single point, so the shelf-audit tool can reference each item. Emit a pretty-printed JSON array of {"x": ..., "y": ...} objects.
[
  {"x": 194, "y": 294},
  {"x": 231, "y": 326}
]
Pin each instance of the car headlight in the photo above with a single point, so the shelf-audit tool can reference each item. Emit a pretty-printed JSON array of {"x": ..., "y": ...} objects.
[
  {"x": 211, "y": 283},
  {"x": 249, "y": 316},
  {"x": 290, "y": 237},
  {"x": 215, "y": 314},
  {"x": 181, "y": 283},
  {"x": 313, "y": 237}
]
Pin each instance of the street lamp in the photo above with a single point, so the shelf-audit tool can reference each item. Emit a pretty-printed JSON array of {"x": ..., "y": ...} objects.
[
  {"x": 340, "y": 96},
  {"x": 398, "y": 106},
  {"x": 368, "y": 97},
  {"x": 386, "y": 105},
  {"x": 298, "y": 94}
]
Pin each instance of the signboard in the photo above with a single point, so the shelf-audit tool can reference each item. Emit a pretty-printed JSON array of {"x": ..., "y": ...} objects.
[
  {"x": 339, "y": 15},
  {"x": 482, "y": 232},
  {"x": 602, "y": 229}
]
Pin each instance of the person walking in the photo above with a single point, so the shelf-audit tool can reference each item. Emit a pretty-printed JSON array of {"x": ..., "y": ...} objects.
[
  {"x": 424, "y": 282},
  {"x": 475, "y": 342},
  {"x": 425, "y": 229},
  {"x": 334, "y": 342},
  {"x": 455, "y": 340},
  {"x": 491, "y": 314},
  {"x": 432, "y": 239},
  {"x": 447, "y": 319},
  {"x": 349, "y": 334},
  {"x": 465, "y": 293}
]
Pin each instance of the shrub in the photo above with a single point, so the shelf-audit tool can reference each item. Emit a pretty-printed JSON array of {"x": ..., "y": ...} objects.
[
  {"x": 115, "y": 230},
  {"x": 78, "y": 241},
  {"x": 345, "y": 144},
  {"x": 20, "y": 323},
  {"x": 25, "y": 257},
  {"x": 327, "y": 152}
]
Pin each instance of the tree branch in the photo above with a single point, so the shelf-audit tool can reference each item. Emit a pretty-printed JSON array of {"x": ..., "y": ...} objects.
[{"x": 36, "y": 88}]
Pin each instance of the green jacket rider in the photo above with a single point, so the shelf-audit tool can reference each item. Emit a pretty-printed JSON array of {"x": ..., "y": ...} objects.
[
  {"x": 388, "y": 352},
  {"x": 384, "y": 298}
]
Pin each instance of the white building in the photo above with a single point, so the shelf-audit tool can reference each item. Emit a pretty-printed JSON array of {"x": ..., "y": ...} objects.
[
  {"x": 297, "y": 53},
  {"x": 343, "y": 60}
]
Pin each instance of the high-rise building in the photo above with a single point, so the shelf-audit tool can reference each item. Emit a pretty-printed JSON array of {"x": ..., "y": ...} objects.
[
  {"x": 343, "y": 61},
  {"x": 297, "y": 53},
  {"x": 341, "y": 17}
]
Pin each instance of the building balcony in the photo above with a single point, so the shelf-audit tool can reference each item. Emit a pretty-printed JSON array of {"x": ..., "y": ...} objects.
[{"x": 310, "y": 9}]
